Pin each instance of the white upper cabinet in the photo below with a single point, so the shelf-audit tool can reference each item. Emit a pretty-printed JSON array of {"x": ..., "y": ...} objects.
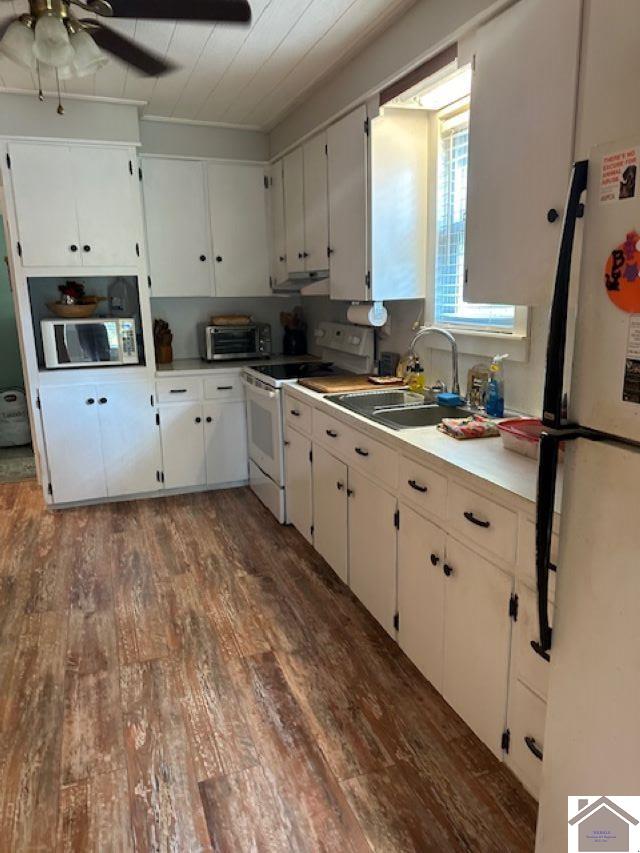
[
  {"x": 347, "y": 142},
  {"x": 178, "y": 236},
  {"x": 520, "y": 150},
  {"x": 76, "y": 206},
  {"x": 316, "y": 204},
  {"x": 294, "y": 210},
  {"x": 278, "y": 231},
  {"x": 107, "y": 200},
  {"x": 238, "y": 208},
  {"x": 399, "y": 179}
]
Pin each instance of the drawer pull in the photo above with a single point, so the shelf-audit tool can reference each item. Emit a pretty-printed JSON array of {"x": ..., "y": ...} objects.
[
  {"x": 533, "y": 747},
  {"x": 331, "y": 433},
  {"x": 537, "y": 648},
  {"x": 295, "y": 413},
  {"x": 361, "y": 452},
  {"x": 417, "y": 487},
  {"x": 434, "y": 559},
  {"x": 178, "y": 391},
  {"x": 225, "y": 387},
  {"x": 447, "y": 569},
  {"x": 340, "y": 486},
  {"x": 477, "y": 521}
]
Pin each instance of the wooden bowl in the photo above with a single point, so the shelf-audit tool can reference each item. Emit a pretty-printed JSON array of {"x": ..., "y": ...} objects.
[{"x": 73, "y": 311}]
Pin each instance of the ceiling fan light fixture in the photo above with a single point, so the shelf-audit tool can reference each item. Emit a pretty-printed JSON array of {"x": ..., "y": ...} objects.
[
  {"x": 17, "y": 43},
  {"x": 88, "y": 58},
  {"x": 52, "y": 45}
]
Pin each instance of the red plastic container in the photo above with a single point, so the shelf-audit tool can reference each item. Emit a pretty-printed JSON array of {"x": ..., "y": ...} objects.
[{"x": 522, "y": 435}]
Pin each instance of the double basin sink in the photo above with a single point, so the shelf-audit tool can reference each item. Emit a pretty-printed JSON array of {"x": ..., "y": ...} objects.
[{"x": 398, "y": 409}]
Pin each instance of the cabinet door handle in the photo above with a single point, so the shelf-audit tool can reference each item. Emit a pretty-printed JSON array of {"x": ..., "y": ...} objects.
[
  {"x": 90, "y": 401},
  {"x": 305, "y": 254},
  {"x": 434, "y": 559},
  {"x": 533, "y": 747},
  {"x": 209, "y": 420},
  {"x": 477, "y": 521},
  {"x": 287, "y": 443},
  {"x": 198, "y": 420},
  {"x": 350, "y": 493},
  {"x": 552, "y": 215},
  {"x": 417, "y": 487},
  {"x": 86, "y": 248},
  {"x": 361, "y": 452},
  {"x": 178, "y": 391},
  {"x": 340, "y": 486},
  {"x": 447, "y": 569},
  {"x": 300, "y": 255},
  {"x": 203, "y": 258},
  {"x": 331, "y": 433},
  {"x": 295, "y": 413},
  {"x": 224, "y": 387},
  {"x": 102, "y": 401},
  {"x": 73, "y": 247},
  {"x": 219, "y": 259}
]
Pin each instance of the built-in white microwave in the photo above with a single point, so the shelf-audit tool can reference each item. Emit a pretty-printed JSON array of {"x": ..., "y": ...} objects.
[{"x": 94, "y": 342}]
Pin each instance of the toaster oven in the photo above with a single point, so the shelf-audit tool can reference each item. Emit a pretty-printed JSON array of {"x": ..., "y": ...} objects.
[{"x": 228, "y": 342}]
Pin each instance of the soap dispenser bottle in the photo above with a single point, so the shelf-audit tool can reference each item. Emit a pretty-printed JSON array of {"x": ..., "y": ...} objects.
[{"x": 494, "y": 404}]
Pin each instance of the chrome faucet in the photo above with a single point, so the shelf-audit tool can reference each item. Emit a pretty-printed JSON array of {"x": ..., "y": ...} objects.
[{"x": 436, "y": 330}]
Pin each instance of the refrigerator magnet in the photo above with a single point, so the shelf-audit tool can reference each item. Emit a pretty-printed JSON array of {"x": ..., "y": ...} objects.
[
  {"x": 631, "y": 386},
  {"x": 618, "y": 176},
  {"x": 622, "y": 274}
]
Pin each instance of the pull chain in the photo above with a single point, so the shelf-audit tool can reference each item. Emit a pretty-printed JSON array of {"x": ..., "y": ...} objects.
[
  {"x": 40, "y": 93},
  {"x": 60, "y": 109}
]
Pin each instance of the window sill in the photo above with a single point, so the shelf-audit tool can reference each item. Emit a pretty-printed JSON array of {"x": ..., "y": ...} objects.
[{"x": 482, "y": 343}]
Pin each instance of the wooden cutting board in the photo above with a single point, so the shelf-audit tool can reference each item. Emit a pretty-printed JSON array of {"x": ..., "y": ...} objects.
[{"x": 341, "y": 384}]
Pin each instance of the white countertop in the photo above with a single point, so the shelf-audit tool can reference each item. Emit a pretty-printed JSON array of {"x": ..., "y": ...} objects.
[
  {"x": 485, "y": 458},
  {"x": 187, "y": 366}
]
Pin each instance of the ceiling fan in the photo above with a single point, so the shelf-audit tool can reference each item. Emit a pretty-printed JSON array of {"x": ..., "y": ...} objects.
[{"x": 50, "y": 34}]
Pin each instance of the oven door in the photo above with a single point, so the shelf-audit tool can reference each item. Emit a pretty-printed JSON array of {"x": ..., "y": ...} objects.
[
  {"x": 69, "y": 344},
  {"x": 264, "y": 420}
]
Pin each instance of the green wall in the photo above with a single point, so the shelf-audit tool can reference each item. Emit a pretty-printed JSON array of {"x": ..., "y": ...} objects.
[{"x": 10, "y": 367}]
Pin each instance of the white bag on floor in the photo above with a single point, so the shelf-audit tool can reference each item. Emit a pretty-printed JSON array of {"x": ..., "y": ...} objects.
[{"x": 14, "y": 418}]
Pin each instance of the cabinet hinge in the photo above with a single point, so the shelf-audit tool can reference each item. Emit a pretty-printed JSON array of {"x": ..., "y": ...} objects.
[
  {"x": 326, "y": 150},
  {"x": 139, "y": 173},
  {"x": 311, "y": 456},
  {"x": 50, "y": 489},
  {"x": 505, "y": 741},
  {"x": 367, "y": 280},
  {"x": 513, "y": 607},
  {"x": 38, "y": 403},
  {"x": 149, "y": 281},
  {"x": 151, "y": 398},
  {"x": 367, "y": 126},
  {"x": 138, "y": 249},
  {"x": 19, "y": 248},
  {"x": 312, "y": 529},
  {"x": 396, "y": 519},
  {"x": 396, "y": 621},
  {"x": 8, "y": 161},
  {"x": 160, "y": 476},
  {"x": 130, "y": 167},
  {"x": 157, "y": 419},
  {"x": 266, "y": 182}
]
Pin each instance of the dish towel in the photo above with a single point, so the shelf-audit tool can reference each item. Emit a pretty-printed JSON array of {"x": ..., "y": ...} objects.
[{"x": 475, "y": 426}]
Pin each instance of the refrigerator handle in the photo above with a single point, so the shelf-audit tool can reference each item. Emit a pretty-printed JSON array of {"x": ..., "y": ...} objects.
[
  {"x": 556, "y": 342},
  {"x": 547, "y": 469}
]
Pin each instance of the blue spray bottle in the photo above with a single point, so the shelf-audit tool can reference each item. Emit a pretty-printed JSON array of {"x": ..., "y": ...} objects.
[{"x": 494, "y": 400}]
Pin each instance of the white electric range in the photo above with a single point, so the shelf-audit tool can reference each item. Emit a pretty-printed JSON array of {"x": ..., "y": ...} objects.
[{"x": 345, "y": 349}]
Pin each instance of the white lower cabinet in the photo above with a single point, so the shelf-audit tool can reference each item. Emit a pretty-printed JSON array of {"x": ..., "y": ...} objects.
[
  {"x": 527, "y": 714},
  {"x": 225, "y": 437},
  {"x": 183, "y": 455},
  {"x": 330, "y": 510},
  {"x": 298, "y": 482},
  {"x": 372, "y": 548},
  {"x": 477, "y": 635},
  {"x": 421, "y": 589},
  {"x": 117, "y": 451}
]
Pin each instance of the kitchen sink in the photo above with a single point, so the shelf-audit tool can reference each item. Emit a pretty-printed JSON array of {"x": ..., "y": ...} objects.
[
  {"x": 417, "y": 416},
  {"x": 367, "y": 402}
]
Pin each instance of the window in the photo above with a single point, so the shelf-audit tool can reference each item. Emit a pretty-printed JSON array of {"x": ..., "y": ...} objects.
[{"x": 450, "y": 309}]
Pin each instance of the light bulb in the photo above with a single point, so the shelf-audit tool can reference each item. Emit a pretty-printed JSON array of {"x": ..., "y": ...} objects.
[
  {"x": 88, "y": 58},
  {"x": 52, "y": 45},
  {"x": 17, "y": 44}
]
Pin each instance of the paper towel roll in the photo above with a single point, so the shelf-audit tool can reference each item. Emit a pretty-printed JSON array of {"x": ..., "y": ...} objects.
[{"x": 367, "y": 314}]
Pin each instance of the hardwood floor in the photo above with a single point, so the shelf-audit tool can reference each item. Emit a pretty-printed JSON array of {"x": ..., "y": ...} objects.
[{"x": 184, "y": 674}]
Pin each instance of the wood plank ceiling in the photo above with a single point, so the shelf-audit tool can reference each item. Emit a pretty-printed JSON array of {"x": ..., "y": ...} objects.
[{"x": 230, "y": 74}]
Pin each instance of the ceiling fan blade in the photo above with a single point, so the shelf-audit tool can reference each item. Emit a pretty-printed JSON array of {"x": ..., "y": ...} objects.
[
  {"x": 128, "y": 51},
  {"x": 237, "y": 11},
  {"x": 4, "y": 25}
]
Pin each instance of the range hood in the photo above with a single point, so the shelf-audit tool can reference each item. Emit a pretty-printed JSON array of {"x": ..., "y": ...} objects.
[{"x": 299, "y": 282}]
